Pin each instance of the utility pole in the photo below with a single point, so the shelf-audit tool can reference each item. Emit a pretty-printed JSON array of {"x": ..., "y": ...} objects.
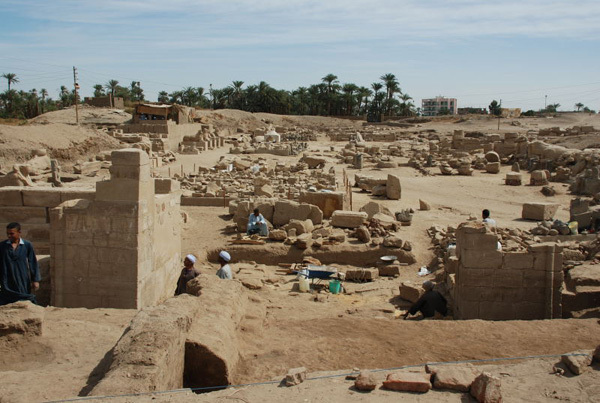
[
  {"x": 545, "y": 101},
  {"x": 500, "y": 115},
  {"x": 76, "y": 95}
]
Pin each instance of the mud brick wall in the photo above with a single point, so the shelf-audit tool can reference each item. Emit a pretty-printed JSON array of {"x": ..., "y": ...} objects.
[
  {"x": 122, "y": 249},
  {"x": 30, "y": 207},
  {"x": 497, "y": 285}
]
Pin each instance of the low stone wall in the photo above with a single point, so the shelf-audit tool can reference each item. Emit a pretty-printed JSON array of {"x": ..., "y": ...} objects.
[
  {"x": 496, "y": 285},
  {"x": 30, "y": 207},
  {"x": 189, "y": 341}
]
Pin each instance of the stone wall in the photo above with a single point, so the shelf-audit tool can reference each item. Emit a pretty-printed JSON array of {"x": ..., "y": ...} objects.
[
  {"x": 122, "y": 249},
  {"x": 496, "y": 285},
  {"x": 30, "y": 207}
]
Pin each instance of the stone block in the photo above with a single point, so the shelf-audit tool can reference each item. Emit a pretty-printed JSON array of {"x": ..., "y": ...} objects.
[
  {"x": 468, "y": 310},
  {"x": 11, "y": 196},
  {"x": 130, "y": 157},
  {"x": 165, "y": 185},
  {"x": 492, "y": 167},
  {"x": 579, "y": 363},
  {"x": 389, "y": 269},
  {"x": 278, "y": 235},
  {"x": 328, "y": 202},
  {"x": 481, "y": 259},
  {"x": 508, "y": 278},
  {"x": 411, "y": 291},
  {"x": 23, "y": 215},
  {"x": 514, "y": 179},
  {"x": 295, "y": 376},
  {"x": 518, "y": 260},
  {"x": 286, "y": 210},
  {"x": 453, "y": 377},
  {"x": 478, "y": 241},
  {"x": 301, "y": 226},
  {"x": 373, "y": 208},
  {"x": 393, "y": 241},
  {"x": 475, "y": 277},
  {"x": 87, "y": 168},
  {"x": 41, "y": 197},
  {"x": 360, "y": 274},
  {"x": 348, "y": 219},
  {"x": 393, "y": 189},
  {"x": 408, "y": 382},
  {"x": 530, "y": 310},
  {"x": 487, "y": 388},
  {"x": 365, "y": 381},
  {"x": 539, "y": 211},
  {"x": 73, "y": 194},
  {"x": 494, "y": 310}
]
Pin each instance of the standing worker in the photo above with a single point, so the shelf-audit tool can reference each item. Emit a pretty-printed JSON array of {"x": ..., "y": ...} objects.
[
  {"x": 188, "y": 273},
  {"x": 225, "y": 271},
  {"x": 19, "y": 271}
]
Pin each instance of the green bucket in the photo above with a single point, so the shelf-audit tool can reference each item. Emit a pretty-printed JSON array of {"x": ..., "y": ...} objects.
[{"x": 335, "y": 286}]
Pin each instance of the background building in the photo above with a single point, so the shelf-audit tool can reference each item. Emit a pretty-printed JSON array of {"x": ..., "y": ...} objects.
[{"x": 439, "y": 106}]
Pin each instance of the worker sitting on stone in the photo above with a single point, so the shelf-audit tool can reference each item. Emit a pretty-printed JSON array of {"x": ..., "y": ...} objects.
[
  {"x": 430, "y": 303},
  {"x": 225, "y": 271},
  {"x": 485, "y": 214},
  {"x": 187, "y": 273},
  {"x": 257, "y": 224}
]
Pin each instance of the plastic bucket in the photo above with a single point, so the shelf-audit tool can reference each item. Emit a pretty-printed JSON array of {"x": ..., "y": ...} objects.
[
  {"x": 334, "y": 286},
  {"x": 304, "y": 284}
]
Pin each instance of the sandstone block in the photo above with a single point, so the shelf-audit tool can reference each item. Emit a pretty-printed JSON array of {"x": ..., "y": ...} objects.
[
  {"x": 486, "y": 389},
  {"x": 304, "y": 241},
  {"x": 41, "y": 197},
  {"x": 514, "y": 179},
  {"x": 577, "y": 364},
  {"x": 328, "y": 202},
  {"x": 453, "y": 377},
  {"x": 365, "y": 381},
  {"x": 539, "y": 211},
  {"x": 363, "y": 234},
  {"x": 373, "y": 208},
  {"x": 483, "y": 259},
  {"x": 518, "y": 260},
  {"x": 378, "y": 190},
  {"x": 393, "y": 189},
  {"x": 295, "y": 376},
  {"x": 492, "y": 167},
  {"x": 408, "y": 382},
  {"x": 277, "y": 235},
  {"x": 492, "y": 156},
  {"x": 11, "y": 196},
  {"x": 348, "y": 219},
  {"x": 480, "y": 242},
  {"x": 392, "y": 241},
  {"x": 389, "y": 269},
  {"x": 410, "y": 291},
  {"x": 424, "y": 206},
  {"x": 360, "y": 274},
  {"x": 301, "y": 226}
]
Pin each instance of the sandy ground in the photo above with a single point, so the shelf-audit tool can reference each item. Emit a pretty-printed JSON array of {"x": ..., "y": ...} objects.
[{"x": 336, "y": 332}]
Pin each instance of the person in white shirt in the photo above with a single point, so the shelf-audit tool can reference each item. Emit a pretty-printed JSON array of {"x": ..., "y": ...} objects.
[
  {"x": 487, "y": 220},
  {"x": 257, "y": 224},
  {"x": 225, "y": 271}
]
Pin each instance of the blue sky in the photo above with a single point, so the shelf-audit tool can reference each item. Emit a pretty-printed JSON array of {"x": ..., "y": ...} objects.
[{"x": 476, "y": 51}]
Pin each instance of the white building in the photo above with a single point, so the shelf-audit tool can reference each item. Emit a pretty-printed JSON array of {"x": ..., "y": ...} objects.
[{"x": 432, "y": 106}]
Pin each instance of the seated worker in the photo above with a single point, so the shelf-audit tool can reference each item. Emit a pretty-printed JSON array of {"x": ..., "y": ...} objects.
[
  {"x": 257, "y": 224},
  {"x": 430, "y": 303},
  {"x": 187, "y": 273},
  {"x": 485, "y": 214},
  {"x": 225, "y": 271}
]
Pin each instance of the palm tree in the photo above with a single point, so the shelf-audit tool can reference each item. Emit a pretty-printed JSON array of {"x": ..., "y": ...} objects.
[
  {"x": 163, "y": 97},
  {"x": 44, "y": 94},
  {"x": 331, "y": 81},
  {"x": 376, "y": 99},
  {"x": 579, "y": 105},
  {"x": 189, "y": 96},
  {"x": 98, "y": 90},
  {"x": 392, "y": 86},
  {"x": 11, "y": 78},
  {"x": 112, "y": 85},
  {"x": 349, "y": 90}
]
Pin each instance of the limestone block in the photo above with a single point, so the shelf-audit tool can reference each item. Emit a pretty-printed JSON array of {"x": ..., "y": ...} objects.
[
  {"x": 453, "y": 377},
  {"x": 295, "y": 376},
  {"x": 392, "y": 241},
  {"x": 513, "y": 179},
  {"x": 328, "y": 202},
  {"x": 410, "y": 291},
  {"x": 475, "y": 277},
  {"x": 23, "y": 215},
  {"x": 539, "y": 211},
  {"x": 87, "y": 168},
  {"x": 391, "y": 270},
  {"x": 11, "y": 196},
  {"x": 41, "y": 197},
  {"x": 277, "y": 235},
  {"x": 538, "y": 178},
  {"x": 360, "y": 274},
  {"x": 304, "y": 241},
  {"x": 492, "y": 167},
  {"x": 130, "y": 157},
  {"x": 577, "y": 364},
  {"x": 166, "y": 185},
  {"x": 301, "y": 226},
  {"x": 518, "y": 260},
  {"x": 408, "y": 382},
  {"x": 486, "y": 388},
  {"x": 483, "y": 259},
  {"x": 492, "y": 156},
  {"x": 485, "y": 241},
  {"x": 72, "y": 194},
  {"x": 21, "y": 317},
  {"x": 373, "y": 208},
  {"x": 378, "y": 190},
  {"x": 392, "y": 188},
  {"x": 348, "y": 219},
  {"x": 365, "y": 381},
  {"x": 363, "y": 234},
  {"x": 424, "y": 206},
  {"x": 286, "y": 210}
]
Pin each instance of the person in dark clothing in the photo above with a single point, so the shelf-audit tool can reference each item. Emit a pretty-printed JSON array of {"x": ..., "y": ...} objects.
[
  {"x": 187, "y": 273},
  {"x": 430, "y": 303},
  {"x": 19, "y": 271}
]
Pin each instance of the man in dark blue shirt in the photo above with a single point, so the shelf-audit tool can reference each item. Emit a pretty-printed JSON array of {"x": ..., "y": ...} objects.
[
  {"x": 19, "y": 271},
  {"x": 430, "y": 303}
]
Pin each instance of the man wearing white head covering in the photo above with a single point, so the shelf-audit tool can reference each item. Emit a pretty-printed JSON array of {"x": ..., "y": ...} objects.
[
  {"x": 225, "y": 271},
  {"x": 187, "y": 273}
]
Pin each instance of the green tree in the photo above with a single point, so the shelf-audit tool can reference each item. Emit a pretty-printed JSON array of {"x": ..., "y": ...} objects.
[
  {"x": 579, "y": 105},
  {"x": 332, "y": 83},
  {"x": 111, "y": 86},
  {"x": 495, "y": 108},
  {"x": 44, "y": 94},
  {"x": 552, "y": 108},
  {"x": 99, "y": 90},
  {"x": 392, "y": 86},
  {"x": 11, "y": 78},
  {"x": 163, "y": 97},
  {"x": 349, "y": 90}
]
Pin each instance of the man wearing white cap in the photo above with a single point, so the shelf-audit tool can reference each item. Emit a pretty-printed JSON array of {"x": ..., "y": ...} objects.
[
  {"x": 189, "y": 272},
  {"x": 225, "y": 271}
]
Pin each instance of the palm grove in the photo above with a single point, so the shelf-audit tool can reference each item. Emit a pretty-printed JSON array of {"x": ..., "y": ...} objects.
[{"x": 327, "y": 98}]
